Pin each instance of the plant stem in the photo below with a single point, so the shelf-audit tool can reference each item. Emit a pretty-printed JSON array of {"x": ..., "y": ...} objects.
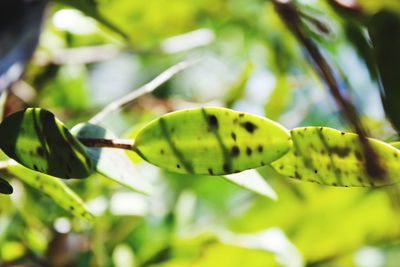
[
  {"x": 145, "y": 89},
  {"x": 291, "y": 17},
  {"x": 112, "y": 143}
]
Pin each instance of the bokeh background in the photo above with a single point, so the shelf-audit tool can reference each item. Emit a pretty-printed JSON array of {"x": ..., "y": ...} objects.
[{"x": 93, "y": 52}]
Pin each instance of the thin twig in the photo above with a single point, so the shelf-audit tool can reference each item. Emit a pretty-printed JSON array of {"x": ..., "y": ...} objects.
[
  {"x": 145, "y": 89},
  {"x": 291, "y": 18},
  {"x": 113, "y": 143}
]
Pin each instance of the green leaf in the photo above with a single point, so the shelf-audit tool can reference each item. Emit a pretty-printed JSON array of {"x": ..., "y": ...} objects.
[
  {"x": 112, "y": 163},
  {"x": 251, "y": 180},
  {"x": 330, "y": 157},
  {"x": 395, "y": 144},
  {"x": 211, "y": 141},
  {"x": 237, "y": 91},
  {"x": 37, "y": 140},
  {"x": 5, "y": 187},
  {"x": 61, "y": 194},
  {"x": 384, "y": 30}
]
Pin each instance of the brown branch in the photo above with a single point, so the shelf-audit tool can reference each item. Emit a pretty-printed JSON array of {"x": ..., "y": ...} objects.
[
  {"x": 145, "y": 89},
  {"x": 112, "y": 143},
  {"x": 290, "y": 16}
]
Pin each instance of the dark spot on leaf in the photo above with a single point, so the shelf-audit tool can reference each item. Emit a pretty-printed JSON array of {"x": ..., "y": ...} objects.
[
  {"x": 260, "y": 148},
  {"x": 210, "y": 171},
  {"x": 213, "y": 121},
  {"x": 178, "y": 166},
  {"x": 340, "y": 151},
  {"x": 334, "y": 184},
  {"x": 233, "y": 136},
  {"x": 395, "y": 155},
  {"x": 360, "y": 179},
  {"x": 321, "y": 128},
  {"x": 262, "y": 163},
  {"x": 35, "y": 167},
  {"x": 249, "y": 126},
  {"x": 71, "y": 208},
  {"x": 248, "y": 151},
  {"x": 297, "y": 175},
  {"x": 162, "y": 151},
  {"x": 235, "y": 151},
  {"x": 358, "y": 155},
  {"x": 226, "y": 168},
  {"x": 235, "y": 120},
  {"x": 241, "y": 114},
  {"x": 315, "y": 171},
  {"x": 281, "y": 167}
]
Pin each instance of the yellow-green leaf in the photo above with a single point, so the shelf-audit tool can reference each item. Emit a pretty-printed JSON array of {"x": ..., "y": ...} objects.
[
  {"x": 330, "y": 157},
  {"x": 211, "y": 141},
  {"x": 37, "y": 140},
  {"x": 59, "y": 192}
]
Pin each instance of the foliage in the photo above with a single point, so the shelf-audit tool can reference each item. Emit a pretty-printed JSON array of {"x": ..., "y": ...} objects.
[{"x": 184, "y": 212}]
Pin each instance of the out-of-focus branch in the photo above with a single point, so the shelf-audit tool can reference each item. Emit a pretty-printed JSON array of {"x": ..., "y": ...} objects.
[
  {"x": 145, "y": 89},
  {"x": 80, "y": 55},
  {"x": 291, "y": 17}
]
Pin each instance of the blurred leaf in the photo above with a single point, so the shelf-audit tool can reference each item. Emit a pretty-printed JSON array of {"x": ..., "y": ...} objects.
[
  {"x": 237, "y": 91},
  {"x": 89, "y": 8},
  {"x": 395, "y": 144},
  {"x": 112, "y": 163},
  {"x": 37, "y": 140},
  {"x": 330, "y": 157},
  {"x": 384, "y": 29},
  {"x": 60, "y": 193},
  {"x": 20, "y": 25},
  {"x": 252, "y": 181},
  {"x": 211, "y": 141},
  {"x": 5, "y": 187},
  {"x": 278, "y": 99}
]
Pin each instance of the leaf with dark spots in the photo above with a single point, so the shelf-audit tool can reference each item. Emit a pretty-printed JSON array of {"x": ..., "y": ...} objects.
[
  {"x": 54, "y": 147},
  {"x": 343, "y": 165},
  {"x": 57, "y": 190},
  {"x": 209, "y": 139}
]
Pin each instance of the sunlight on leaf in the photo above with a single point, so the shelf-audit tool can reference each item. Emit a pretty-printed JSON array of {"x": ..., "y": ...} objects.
[
  {"x": 59, "y": 192},
  {"x": 211, "y": 141},
  {"x": 37, "y": 140},
  {"x": 330, "y": 157},
  {"x": 112, "y": 163}
]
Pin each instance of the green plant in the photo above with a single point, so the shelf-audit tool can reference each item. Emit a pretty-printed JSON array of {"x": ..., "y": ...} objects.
[{"x": 203, "y": 141}]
